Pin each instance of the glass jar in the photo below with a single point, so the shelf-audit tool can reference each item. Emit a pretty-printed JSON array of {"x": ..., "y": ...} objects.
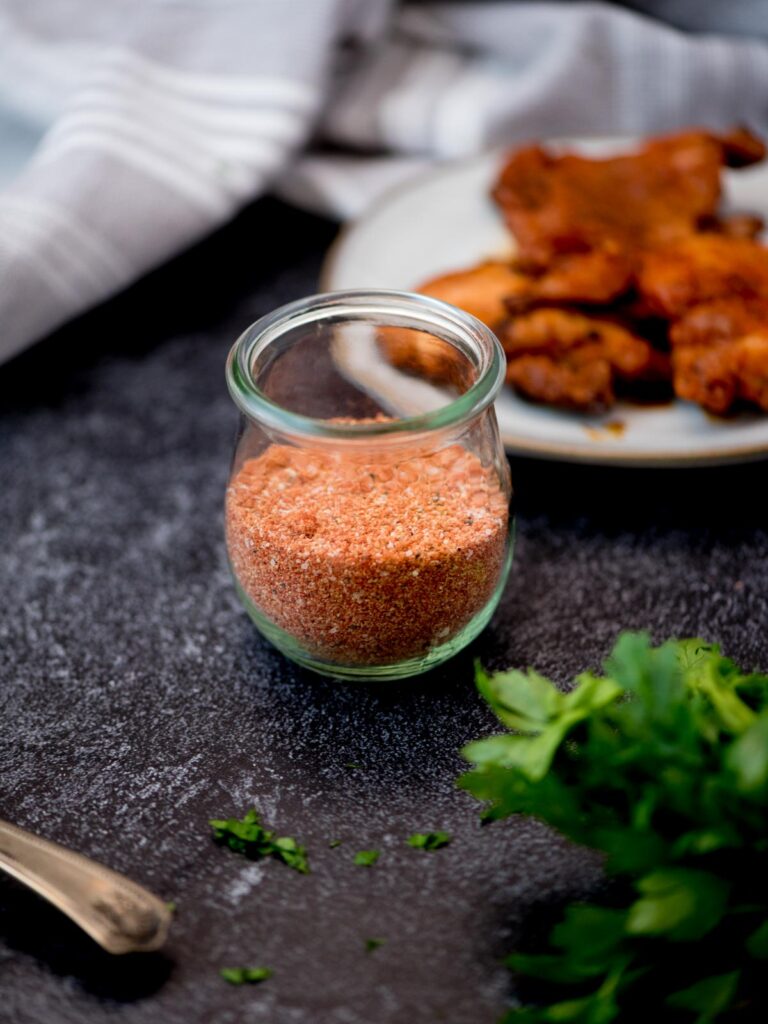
[{"x": 367, "y": 512}]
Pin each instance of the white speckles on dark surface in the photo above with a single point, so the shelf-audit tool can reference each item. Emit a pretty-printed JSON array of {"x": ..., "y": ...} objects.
[{"x": 138, "y": 701}]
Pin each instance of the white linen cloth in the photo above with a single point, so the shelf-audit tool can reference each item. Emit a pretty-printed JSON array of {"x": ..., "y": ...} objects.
[{"x": 130, "y": 129}]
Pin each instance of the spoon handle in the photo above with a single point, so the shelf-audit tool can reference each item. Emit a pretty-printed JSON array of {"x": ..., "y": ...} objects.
[{"x": 121, "y": 916}]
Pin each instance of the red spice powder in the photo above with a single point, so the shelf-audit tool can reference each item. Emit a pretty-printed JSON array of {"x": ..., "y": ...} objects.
[{"x": 367, "y": 564}]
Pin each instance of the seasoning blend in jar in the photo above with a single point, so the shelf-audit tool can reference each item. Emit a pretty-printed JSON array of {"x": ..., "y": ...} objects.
[{"x": 367, "y": 513}]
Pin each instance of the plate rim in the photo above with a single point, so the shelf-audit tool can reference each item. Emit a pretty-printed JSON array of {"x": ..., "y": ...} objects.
[{"x": 551, "y": 451}]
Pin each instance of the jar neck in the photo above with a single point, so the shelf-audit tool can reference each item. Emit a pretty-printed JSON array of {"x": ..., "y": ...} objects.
[{"x": 269, "y": 337}]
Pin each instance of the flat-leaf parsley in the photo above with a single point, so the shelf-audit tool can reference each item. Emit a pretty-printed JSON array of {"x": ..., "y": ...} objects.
[{"x": 662, "y": 764}]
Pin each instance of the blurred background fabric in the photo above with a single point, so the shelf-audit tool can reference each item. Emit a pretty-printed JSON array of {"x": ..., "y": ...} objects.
[{"x": 129, "y": 130}]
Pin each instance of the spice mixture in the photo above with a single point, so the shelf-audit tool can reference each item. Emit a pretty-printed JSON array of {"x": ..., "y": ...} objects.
[{"x": 367, "y": 564}]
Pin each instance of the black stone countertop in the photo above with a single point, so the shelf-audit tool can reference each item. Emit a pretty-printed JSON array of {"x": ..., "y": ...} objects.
[{"x": 138, "y": 701}]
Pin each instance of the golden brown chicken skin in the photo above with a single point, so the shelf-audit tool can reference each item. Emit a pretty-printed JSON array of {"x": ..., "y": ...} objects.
[
  {"x": 751, "y": 363},
  {"x": 722, "y": 319},
  {"x": 735, "y": 225},
  {"x": 719, "y": 376},
  {"x": 566, "y": 203},
  {"x": 557, "y": 354},
  {"x": 720, "y": 354},
  {"x": 590, "y": 279},
  {"x": 562, "y": 357},
  {"x": 481, "y": 290},
  {"x": 582, "y": 381},
  {"x": 627, "y": 275},
  {"x": 701, "y": 268}
]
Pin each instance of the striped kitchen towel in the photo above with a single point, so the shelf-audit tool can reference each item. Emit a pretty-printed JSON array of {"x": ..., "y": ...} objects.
[{"x": 130, "y": 129}]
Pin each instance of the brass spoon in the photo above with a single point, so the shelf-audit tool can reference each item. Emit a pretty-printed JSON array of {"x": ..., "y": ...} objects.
[{"x": 121, "y": 916}]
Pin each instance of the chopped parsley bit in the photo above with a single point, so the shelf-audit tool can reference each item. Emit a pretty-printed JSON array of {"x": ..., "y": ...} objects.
[
  {"x": 351, "y": 764},
  {"x": 248, "y": 837},
  {"x": 429, "y": 840},
  {"x": 245, "y": 975},
  {"x": 170, "y": 907},
  {"x": 373, "y": 944},
  {"x": 334, "y": 843},
  {"x": 367, "y": 858}
]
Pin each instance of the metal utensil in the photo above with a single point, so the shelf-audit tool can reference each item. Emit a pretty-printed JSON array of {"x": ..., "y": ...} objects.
[{"x": 121, "y": 916}]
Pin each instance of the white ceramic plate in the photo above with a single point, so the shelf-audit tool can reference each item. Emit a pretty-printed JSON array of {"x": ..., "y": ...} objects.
[{"x": 444, "y": 220}]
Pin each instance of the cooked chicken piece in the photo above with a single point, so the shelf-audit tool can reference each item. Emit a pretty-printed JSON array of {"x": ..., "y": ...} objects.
[
  {"x": 704, "y": 374},
  {"x": 424, "y": 355},
  {"x": 582, "y": 382},
  {"x": 559, "y": 331},
  {"x": 718, "y": 375},
  {"x": 724, "y": 319},
  {"x": 661, "y": 193},
  {"x": 720, "y": 353},
  {"x": 701, "y": 268},
  {"x": 741, "y": 148},
  {"x": 751, "y": 363},
  {"x": 561, "y": 357},
  {"x": 480, "y": 290},
  {"x": 735, "y": 225},
  {"x": 618, "y": 261},
  {"x": 588, "y": 278}
]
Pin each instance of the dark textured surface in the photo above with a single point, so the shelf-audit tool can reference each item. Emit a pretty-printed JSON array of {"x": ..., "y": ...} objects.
[{"x": 137, "y": 700}]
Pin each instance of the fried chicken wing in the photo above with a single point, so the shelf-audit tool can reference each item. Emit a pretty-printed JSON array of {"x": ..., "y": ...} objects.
[
  {"x": 562, "y": 204},
  {"x": 700, "y": 268},
  {"x": 735, "y": 225},
  {"x": 741, "y": 147},
  {"x": 576, "y": 383},
  {"x": 423, "y": 355},
  {"x": 719, "y": 375},
  {"x": 590, "y": 278},
  {"x": 720, "y": 354},
  {"x": 628, "y": 279},
  {"x": 705, "y": 375},
  {"x": 562, "y": 357},
  {"x": 723, "y": 319},
  {"x": 481, "y": 290},
  {"x": 751, "y": 364}
]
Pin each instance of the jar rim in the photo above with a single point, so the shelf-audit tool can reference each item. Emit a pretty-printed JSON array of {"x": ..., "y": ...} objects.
[{"x": 427, "y": 314}]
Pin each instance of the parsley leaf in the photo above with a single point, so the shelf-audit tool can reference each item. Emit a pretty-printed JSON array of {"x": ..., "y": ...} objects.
[
  {"x": 373, "y": 944},
  {"x": 245, "y": 975},
  {"x": 661, "y": 763},
  {"x": 248, "y": 837},
  {"x": 709, "y": 997},
  {"x": 429, "y": 840},
  {"x": 334, "y": 843},
  {"x": 367, "y": 858}
]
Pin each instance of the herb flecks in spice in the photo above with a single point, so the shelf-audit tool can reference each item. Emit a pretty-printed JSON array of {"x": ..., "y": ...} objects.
[
  {"x": 334, "y": 843},
  {"x": 371, "y": 945},
  {"x": 245, "y": 975},
  {"x": 429, "y": 840},
  {"x": 324, "y": 545},
  {"x": 248, "y": 837},
  {"x": 662, "y": 765},
  {"x": 367, "y": 858}
]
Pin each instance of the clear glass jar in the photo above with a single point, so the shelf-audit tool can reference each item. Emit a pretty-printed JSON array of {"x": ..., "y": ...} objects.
[{"x": 367, "y": 512}]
